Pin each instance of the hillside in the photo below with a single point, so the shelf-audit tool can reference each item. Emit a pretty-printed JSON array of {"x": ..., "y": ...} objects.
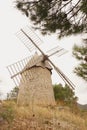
[
  {"x": 13, "y": 117},
  {"x": 83, "y": 107}
]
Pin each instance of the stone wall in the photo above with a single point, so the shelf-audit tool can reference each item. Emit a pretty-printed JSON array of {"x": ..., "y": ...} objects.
[{"x": 37, "y": 88}]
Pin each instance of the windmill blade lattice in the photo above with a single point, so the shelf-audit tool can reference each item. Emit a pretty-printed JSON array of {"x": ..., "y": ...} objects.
[
  {"x": 19, "y": 69},
  {"x": 26, "y": 41},
  {"x": 16, "y": 70},
  {"x": 60, "y": 73},
  {"x": 63, "y": 76},
  {"x": 58, "y": 51}
]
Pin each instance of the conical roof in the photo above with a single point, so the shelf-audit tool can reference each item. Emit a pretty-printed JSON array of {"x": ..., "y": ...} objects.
[{"x": 37, "y": 61}]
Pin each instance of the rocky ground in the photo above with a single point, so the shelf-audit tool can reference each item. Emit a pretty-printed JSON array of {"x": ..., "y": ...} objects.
[{"x": 35, "y": 124}]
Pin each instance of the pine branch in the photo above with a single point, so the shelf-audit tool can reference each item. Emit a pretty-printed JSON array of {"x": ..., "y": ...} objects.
[
  {"x": 31, "y": 2},
  {"x": 74, "y": 7},
  {"x": 74, "y": 14}
]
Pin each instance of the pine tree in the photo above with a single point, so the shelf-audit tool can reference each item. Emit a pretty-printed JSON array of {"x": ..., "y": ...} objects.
[
  {"x": 64, "y": 17},
  {"x": 80, "y": 53}
]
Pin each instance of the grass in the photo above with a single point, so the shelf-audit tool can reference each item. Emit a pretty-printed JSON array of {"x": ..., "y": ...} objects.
[{"x": 10, "y": 112}]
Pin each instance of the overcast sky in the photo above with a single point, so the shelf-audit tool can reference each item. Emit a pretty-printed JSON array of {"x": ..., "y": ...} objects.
[{"x": 11, "y": 50}]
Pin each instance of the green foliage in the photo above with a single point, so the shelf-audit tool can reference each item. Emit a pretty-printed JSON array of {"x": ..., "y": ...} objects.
[
  {"x": 64, "y": 94},
  {"x": 84, "y": 6},
  {"x": 13, "y": 94},
  {"x": 80, "y": 53},
  {"x": 65, "y": 17},
  {"x": 7, "y": 113}
]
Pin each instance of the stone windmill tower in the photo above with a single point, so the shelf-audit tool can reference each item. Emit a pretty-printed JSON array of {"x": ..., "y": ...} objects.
[
  {"x": 33, "y": 74},
  {"x": 37, "y": 88}
]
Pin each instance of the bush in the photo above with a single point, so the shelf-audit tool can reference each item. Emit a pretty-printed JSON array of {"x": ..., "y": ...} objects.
[
  {"x": 7, "y": 113},
  {"x": 13, "y": 94},
  {"x": 64, "y": 94}
]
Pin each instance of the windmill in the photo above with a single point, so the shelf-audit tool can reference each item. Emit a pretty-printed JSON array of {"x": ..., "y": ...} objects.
[{"x": 33, "y": 74}]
